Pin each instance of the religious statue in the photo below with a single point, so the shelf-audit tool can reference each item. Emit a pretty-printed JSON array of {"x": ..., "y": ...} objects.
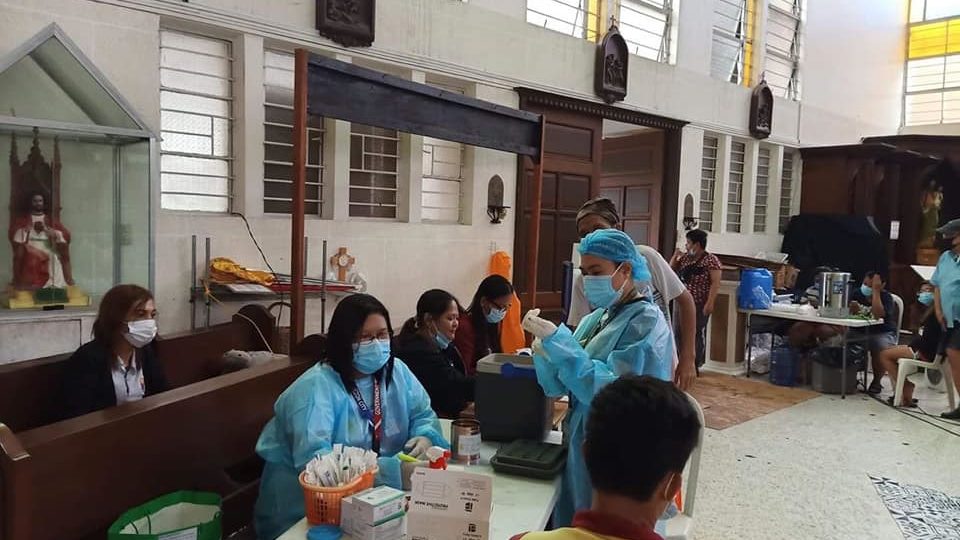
[
  {"x": 41, "y": 248},
  {"x": 42, "y": 274},
  {"x": 931, "y": 199}
]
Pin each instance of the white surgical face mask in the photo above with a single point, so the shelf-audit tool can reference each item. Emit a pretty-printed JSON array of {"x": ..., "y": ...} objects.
[{"x": 139, "y": 333}]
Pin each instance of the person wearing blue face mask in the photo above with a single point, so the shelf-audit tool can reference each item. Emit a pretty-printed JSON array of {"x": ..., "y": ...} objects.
[
  {"x": 627, "y": 333},
  {"x": 479, "y": 332},
  {"x": 924, "y": 346},
  {"x": 359, "y": 395},
  {"x": 426, "y": 344},
  {"x": 872, "y": 298}
]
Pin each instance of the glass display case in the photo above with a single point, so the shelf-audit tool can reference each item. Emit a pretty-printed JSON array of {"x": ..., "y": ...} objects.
[{"x": 75, "y": 195}]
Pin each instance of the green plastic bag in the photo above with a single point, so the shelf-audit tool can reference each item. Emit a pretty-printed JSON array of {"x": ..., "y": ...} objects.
[{"x": 181, "y": 515}]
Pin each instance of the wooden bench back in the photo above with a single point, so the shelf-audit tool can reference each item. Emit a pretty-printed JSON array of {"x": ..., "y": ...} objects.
[
  {"x": 72, "y": 479},
  {"x": 29, "y": 390}
]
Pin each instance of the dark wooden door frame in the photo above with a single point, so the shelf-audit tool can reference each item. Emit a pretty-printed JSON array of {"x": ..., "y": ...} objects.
[{"x": 556, "y": 105}]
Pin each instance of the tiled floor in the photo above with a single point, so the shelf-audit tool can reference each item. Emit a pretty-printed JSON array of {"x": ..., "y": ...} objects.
[{"x": 802, "y": 472}]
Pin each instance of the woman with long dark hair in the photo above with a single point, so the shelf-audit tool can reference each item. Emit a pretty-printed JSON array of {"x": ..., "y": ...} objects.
[
  {"x": 120, "y": 364},
  {"x": 359, "y": 395},
  {"x": 479, "y": 332},
  {"x": 426, "y": 344}
]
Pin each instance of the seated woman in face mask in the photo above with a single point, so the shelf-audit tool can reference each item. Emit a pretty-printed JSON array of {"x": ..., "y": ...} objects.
[
  {"x": 627, "y": 333},
  {"x": 120, "y": 364},
  {"x": 359, "y": 395},
  {"x": 478, "y": 333},
  {"x": 426, "y": 345}
]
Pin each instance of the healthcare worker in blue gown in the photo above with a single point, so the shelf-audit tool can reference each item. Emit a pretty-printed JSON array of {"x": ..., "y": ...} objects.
[
  {"x": 360, "y": 395},
  {"x": 627, "y": 333}
]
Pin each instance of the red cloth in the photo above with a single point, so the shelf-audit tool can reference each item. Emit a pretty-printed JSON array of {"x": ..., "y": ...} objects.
[
  {"x": 465, "y": 340},
  {"x": 601, "y": 525},
  {"x": 30, "y": 266}
]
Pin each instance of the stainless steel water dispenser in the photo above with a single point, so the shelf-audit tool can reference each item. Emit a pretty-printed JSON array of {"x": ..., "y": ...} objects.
[{"x": 834, "y": 294}]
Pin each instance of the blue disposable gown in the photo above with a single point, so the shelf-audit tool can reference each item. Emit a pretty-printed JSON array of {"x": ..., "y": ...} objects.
[
  {"x": 635, "y": 340},
  {"x": 315, "y": 413}
]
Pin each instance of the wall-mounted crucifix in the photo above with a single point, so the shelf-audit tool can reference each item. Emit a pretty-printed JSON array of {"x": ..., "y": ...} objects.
[{"x": 343, "y": 262}]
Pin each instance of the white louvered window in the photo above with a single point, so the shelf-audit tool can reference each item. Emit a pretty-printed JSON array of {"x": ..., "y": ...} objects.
[
  {"x": 933, "y": 63},
  {"x": 278, "y": 141},
  {"x": 786, "y": 189},
  {"x": 196, "y": 105},
  {"x": 645, "y": 25},
  {"x": 374, "y": 157},
  {"x": 783, "y": 38},
  {"x": 762, "y": 192},
  {"x": 708, "y": 181},
  {"x": 732, "y": 33},
  {"x": 738, "y": 152},
  {"x": 442, "y": 180},
  {"x": 570, "y": 17}
]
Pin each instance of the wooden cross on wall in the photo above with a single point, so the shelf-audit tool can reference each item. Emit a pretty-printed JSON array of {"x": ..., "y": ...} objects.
[{"x": 343, "y": 262}]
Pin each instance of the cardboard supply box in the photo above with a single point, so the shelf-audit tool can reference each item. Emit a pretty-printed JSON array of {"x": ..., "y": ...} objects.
[
  {"x": 374, "y": 505},
  {"x": 373, "y": 514},
  {"x": 449, "y": 505},
  {"x": 390, "y": 529}
]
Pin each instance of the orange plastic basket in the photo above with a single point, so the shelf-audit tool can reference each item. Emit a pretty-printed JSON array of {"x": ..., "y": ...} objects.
[{"x": 323, "y": 504}]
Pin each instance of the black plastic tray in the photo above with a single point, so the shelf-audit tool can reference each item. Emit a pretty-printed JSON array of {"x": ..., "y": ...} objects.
[{"x": 529, "y": 472}]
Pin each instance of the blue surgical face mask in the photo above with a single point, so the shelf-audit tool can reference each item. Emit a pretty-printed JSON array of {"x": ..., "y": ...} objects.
[
  {"x": 371, "y": 355},
  {"x": 442, "y": 340},
  {"x": 925, "y": 298},
  {"x": 495, "y": 315},
  {"x": 866, "y": 290},
  {"x": 600, "y": 292}
]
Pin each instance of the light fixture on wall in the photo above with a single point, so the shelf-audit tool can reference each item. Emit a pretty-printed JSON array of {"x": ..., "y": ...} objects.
[
  {"x": 495, "y": 208},
  {"x": 689, "y": 222}
]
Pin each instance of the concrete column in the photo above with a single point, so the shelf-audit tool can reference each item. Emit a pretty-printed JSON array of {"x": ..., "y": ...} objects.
[
  {"x": 748, "y": 194},
  {"x": 248, "y": 125},
  {"x": 776, "y": 183},
  {"x": 410, "y": 168},
  {"x": 721, "y": 193},
  {"x": 336, "y": 159}
]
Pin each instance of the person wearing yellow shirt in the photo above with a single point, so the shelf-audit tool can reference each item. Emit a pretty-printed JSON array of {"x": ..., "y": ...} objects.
[{"x": 635, "y": 470}]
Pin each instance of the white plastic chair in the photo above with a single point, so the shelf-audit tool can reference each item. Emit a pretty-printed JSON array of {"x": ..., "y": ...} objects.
[
  {"x": 679, "y": 527},
  {"x": 909, "y": 366}
]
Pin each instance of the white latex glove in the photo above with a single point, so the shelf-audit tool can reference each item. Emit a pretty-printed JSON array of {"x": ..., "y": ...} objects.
[
  {"x": 406, "y": 472},
  {"x": 417, "y": 447},
  {"x": 540, "y": 328},
  {"x": 537, "y": 347}
]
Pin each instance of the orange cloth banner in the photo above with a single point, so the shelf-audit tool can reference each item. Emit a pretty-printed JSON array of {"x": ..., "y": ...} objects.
[{"x": 511, "y": 333}]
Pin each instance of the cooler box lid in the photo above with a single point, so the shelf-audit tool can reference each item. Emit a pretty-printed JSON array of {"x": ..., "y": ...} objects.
[{"x": 507, "y": 365}]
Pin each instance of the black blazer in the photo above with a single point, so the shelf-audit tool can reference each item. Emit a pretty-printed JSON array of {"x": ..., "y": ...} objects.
[
  {"x": 440, "y": 372},
  {"x": 87, "y": 384}
]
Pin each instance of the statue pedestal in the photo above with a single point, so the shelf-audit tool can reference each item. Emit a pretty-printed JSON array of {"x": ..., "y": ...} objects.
[
  {"x": 928, "y": 256},
  {"x": 72, "y": 296}
]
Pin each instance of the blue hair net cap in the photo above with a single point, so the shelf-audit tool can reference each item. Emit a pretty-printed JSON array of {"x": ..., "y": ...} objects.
[{"x": 615, "y": 245}]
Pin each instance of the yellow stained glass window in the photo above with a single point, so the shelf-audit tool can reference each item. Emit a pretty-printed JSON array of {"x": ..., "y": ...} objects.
[{"x": 934, "y": 39}]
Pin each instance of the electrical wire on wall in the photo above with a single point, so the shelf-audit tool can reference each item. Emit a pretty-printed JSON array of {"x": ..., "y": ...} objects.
[{"x": 263, "y": 256}]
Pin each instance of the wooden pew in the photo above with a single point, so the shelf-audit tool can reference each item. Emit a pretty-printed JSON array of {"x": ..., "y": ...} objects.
[
  {"x": 29, "y": 389},
  {"x": 72, "y": 479}
]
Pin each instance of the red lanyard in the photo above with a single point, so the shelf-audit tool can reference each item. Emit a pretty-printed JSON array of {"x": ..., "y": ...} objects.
[{"x": 376, "y": 418}]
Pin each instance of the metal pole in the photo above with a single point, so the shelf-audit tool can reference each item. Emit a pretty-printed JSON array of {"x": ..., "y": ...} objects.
[
  {"x": 323, "y": 290},
  {"x": 533, "y": 239},
  {"x": 193, "y": 282},
  {"x": 299, "y": 193},
  {"x": 206, "y": 267}
]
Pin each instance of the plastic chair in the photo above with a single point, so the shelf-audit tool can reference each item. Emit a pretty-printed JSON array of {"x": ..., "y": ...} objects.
[
  {"x": 679, "y": 527},
  {"x": 909, "y": 366}
]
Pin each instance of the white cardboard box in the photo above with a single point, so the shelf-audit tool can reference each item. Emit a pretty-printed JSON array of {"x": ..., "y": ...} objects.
[
  {"x": 391, "y": 529},
  {"x": 371, "y": 506},
  {"x": 449, "y": 505}
]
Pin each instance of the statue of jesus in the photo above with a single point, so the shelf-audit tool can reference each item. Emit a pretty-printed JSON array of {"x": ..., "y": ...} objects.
[{"x": 41, "y": 249}]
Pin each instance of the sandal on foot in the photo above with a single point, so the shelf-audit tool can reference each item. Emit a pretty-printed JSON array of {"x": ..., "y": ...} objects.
[{"x": 912, "y": 405}]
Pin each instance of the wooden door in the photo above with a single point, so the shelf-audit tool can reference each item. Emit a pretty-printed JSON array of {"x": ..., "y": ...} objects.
[
  {"x": 632, "y": 177},
  {"x": 571, "y": 170}
]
